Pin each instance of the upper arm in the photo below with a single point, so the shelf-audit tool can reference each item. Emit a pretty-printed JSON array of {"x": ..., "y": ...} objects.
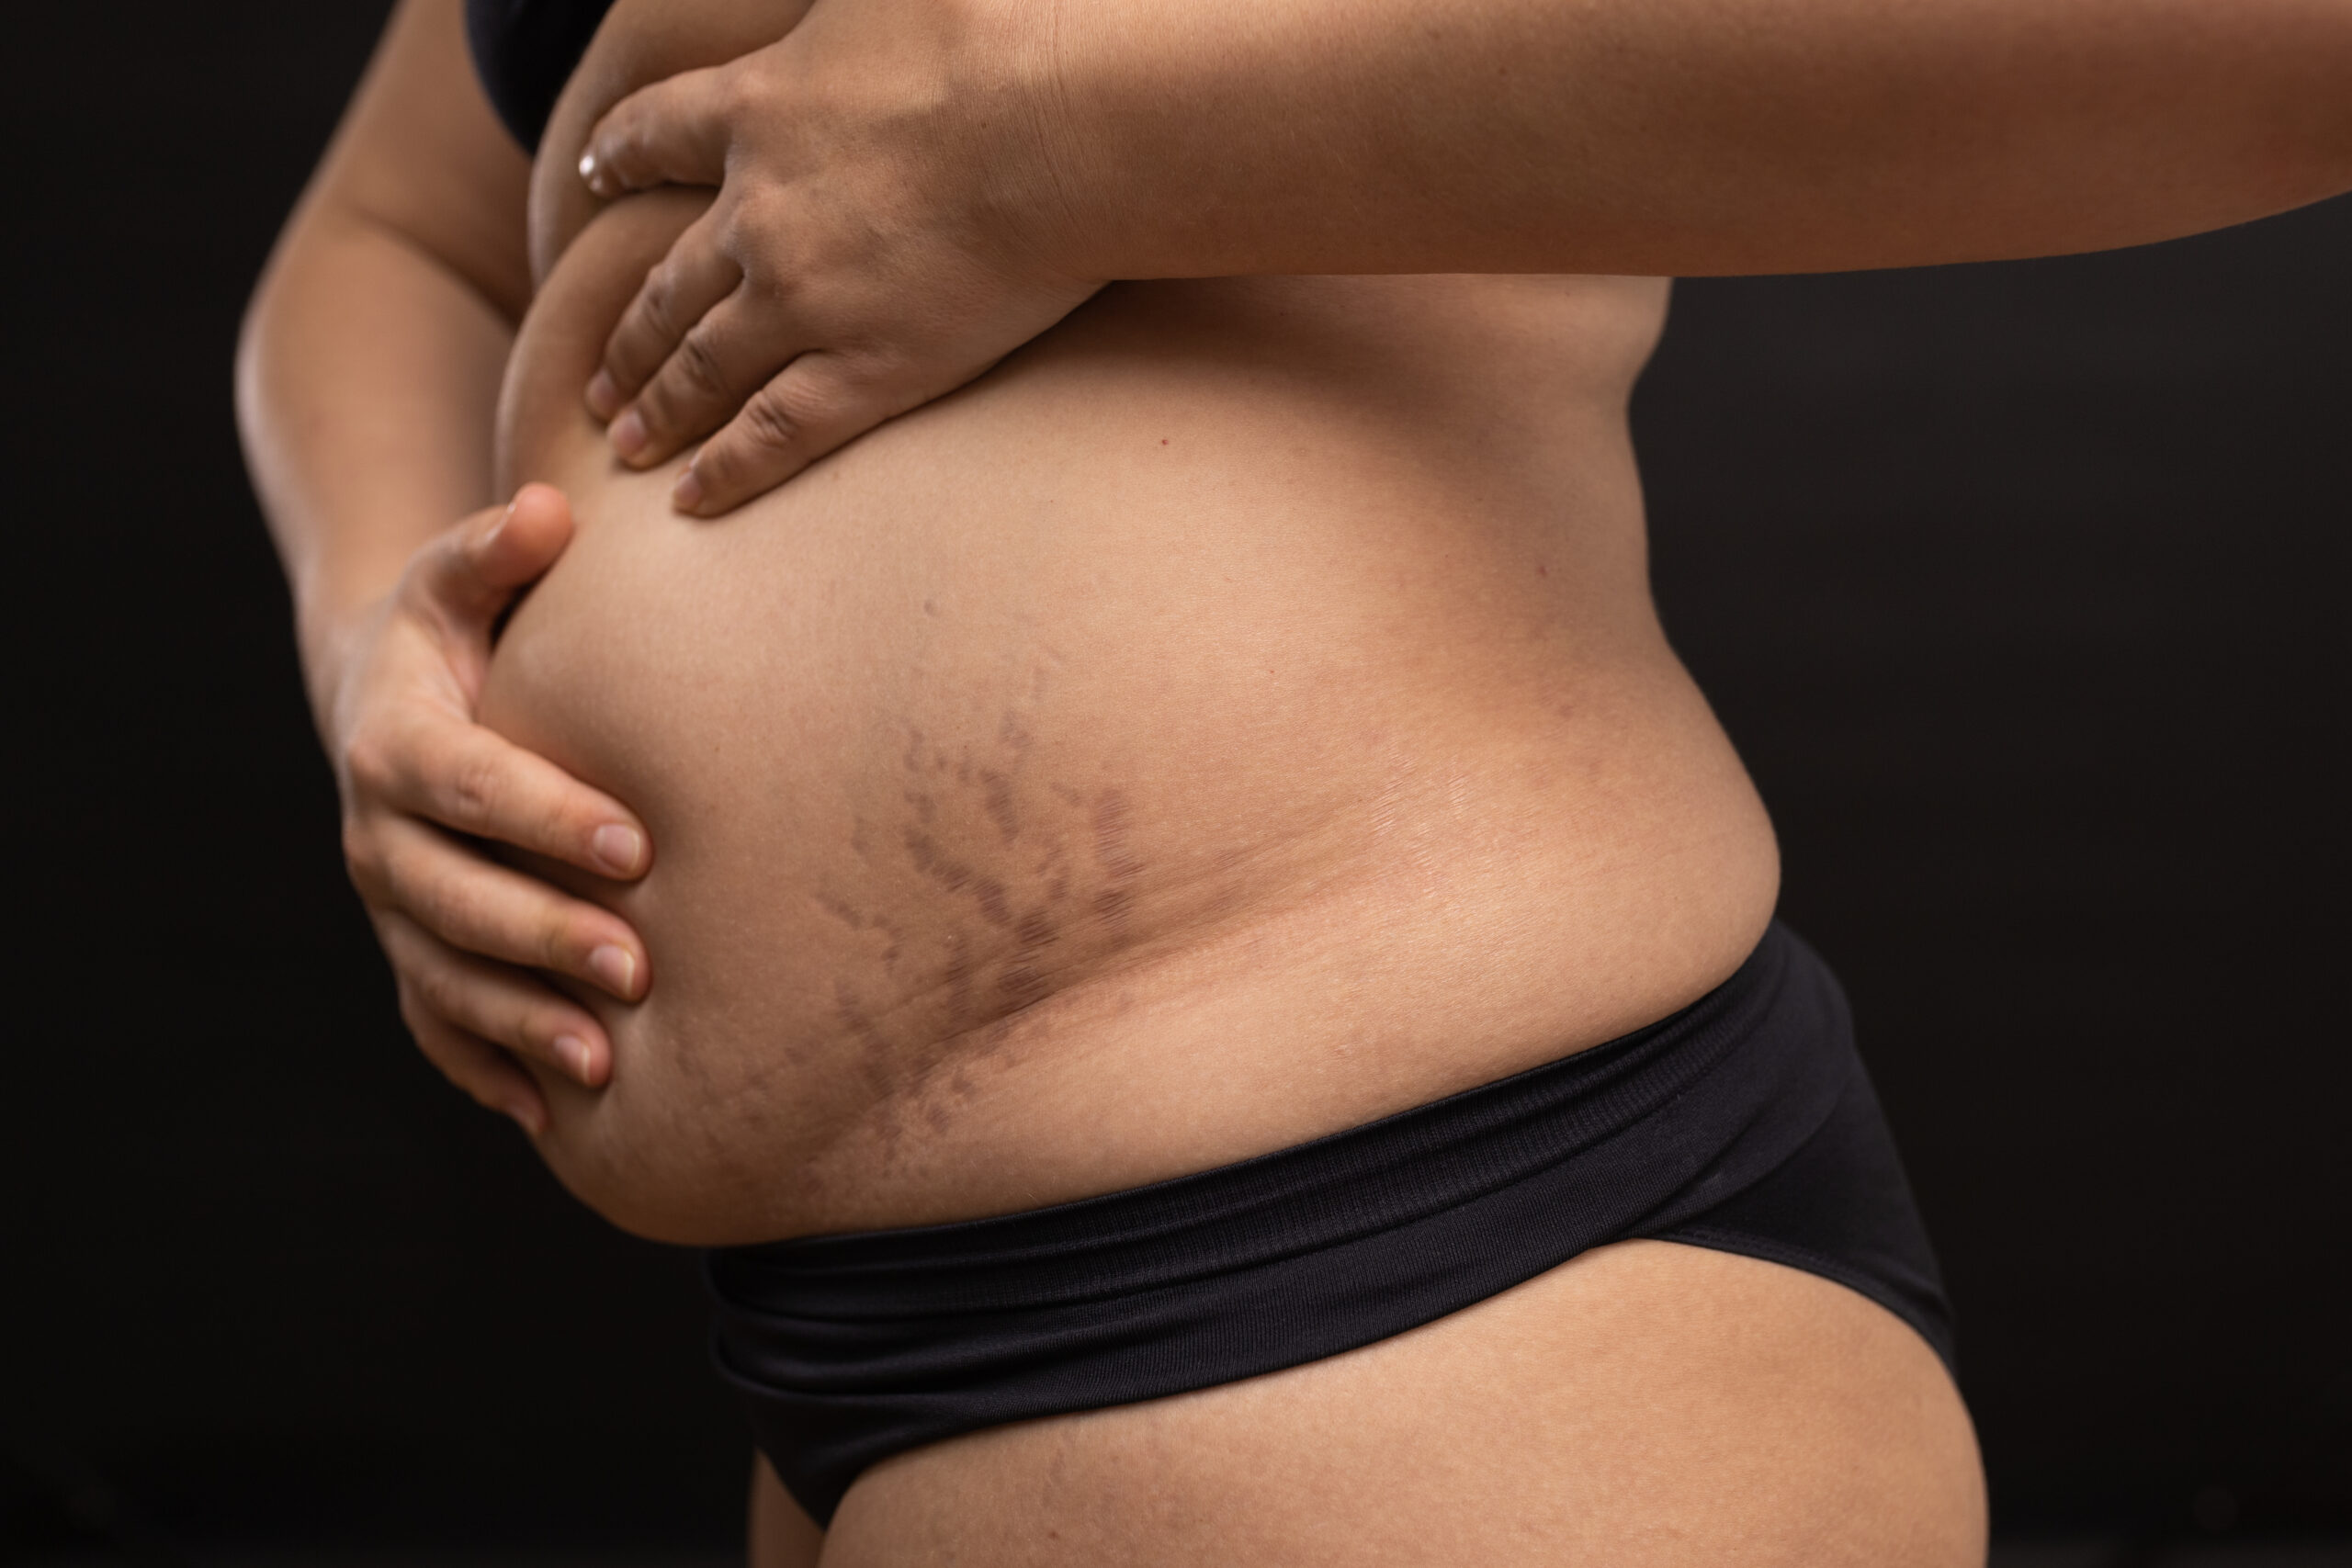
[{"x": 421, "y": 153}]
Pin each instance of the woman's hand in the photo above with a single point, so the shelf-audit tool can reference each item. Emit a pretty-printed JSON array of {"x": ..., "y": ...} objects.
[
  {"x": 879, "y": 240},
  {"x": 421, "y": 780}
]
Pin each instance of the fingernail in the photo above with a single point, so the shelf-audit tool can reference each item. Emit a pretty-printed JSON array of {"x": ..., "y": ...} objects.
[
  {"x": 627, "y": 433},
  {"x": 686, "y": 495},
  {"x": 527, "y": 1116},
  {"x": 604, "y": 394},
  {"x": 573, "y": 1052},
  {"x": 498, "y": 526},
  {"x": 588, "y": 168},
  {"x": 619, "y": 847},
  {"x": 614, "y": 969}
]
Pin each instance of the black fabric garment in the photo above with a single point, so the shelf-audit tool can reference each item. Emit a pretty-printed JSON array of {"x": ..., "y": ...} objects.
[
  {"x": 525, "y": 52},
  {"x": 1744, "y": 1124}
]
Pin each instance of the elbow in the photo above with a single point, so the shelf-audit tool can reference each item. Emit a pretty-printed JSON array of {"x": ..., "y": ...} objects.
[
  {"x": 245, "y": 369},
  {"x": 258, "y": 331}
]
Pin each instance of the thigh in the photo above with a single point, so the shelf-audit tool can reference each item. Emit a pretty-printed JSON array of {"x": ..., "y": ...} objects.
[
  {"x": 1645, "y": 1404},
  {"x": 782, "y": 1533}
]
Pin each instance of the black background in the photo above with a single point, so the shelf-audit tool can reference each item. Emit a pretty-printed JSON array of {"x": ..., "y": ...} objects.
[{"x": 2021, "y": 587}]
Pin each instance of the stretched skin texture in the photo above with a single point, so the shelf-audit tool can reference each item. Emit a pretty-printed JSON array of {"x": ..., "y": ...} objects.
[
  {"x": 1240, "y": 716},
  {"x": 1149, "y": 739},
  {"x": 1426, "y": 737},
  {"x": 1347, "y": 632}
]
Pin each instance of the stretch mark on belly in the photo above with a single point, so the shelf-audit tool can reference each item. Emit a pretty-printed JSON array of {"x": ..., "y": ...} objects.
[
  {"x": 958, "y": 977},
  {"x": 1113, "y": 854},
  {"x": 998, "y": 792},
  {"x": 955, "y": 876},
  {"x": 1024, "y": 982},
  {"x": 1000, "y": 884}
]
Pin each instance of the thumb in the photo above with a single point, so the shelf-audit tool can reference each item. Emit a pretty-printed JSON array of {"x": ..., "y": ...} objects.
[
  {"x": 673, "y": 132},
  {"x": 470, "y": 574},
  {"x": 520, "y": 542}
]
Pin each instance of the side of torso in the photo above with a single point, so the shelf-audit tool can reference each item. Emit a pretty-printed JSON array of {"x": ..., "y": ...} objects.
[{"x": 1238, "y": 716}]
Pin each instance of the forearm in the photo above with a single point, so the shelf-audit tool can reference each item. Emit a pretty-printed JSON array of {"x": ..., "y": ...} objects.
[
  {"x": 368, "y": 370},
  {"x": 366, "y": 389},
  {"x": 1672, "y": 136}
]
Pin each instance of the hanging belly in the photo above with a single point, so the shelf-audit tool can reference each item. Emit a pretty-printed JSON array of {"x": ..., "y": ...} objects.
[{"x": 1237, "y": 716}]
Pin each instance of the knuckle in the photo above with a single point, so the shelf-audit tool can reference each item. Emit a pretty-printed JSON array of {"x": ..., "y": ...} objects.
[
  {"x": 436, "y": 989},
  {"x": 470, "y": 792},
  {"x": 367, "y": 762},
  {"x": 657, "y": 405},
  {"x": 733, "y": 90},
  {"x": 755, "y": 210},
  {"x": 559, "y": 947},
  {"x": 750, "y": 225},
  {"x": 657, "y": 303},
  {"x": 559, "y": 820},
  {"x": 419, "y": 1018},
  {"x": 452, "y": 911},
  {"x": 771, "y": 422},
  {"x": 698, "y": 367},
  {"x": 527, "y": 1025},
  {"x": 363, "y": 857},
  {"x": 430, "y": 584}
]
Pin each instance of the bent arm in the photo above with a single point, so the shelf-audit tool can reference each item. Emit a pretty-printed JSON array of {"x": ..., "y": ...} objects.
[
  {"x": 1669, "y": 136},
  {"x": 368, "y": 370},
  {"x": 910, "y": 190},
  {"x": 367, "y": 379}
]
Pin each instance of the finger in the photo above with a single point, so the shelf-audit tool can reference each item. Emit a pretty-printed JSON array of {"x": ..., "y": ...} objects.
[
  {"x": 478, "y": 783},
  {"x": 493, "y": 1002},
  {"x": 817, "y": 405},
  {"x": 717, "y": 368},
  {"x": 470, "y": 574},
  {"x": 479, "y": 906},
  {"x": 482, "y": 908},
  {"x": 677, "y": 292},
  {"x": 477, "y": 1066},
  {"x": 526, "y": 540},
  {"x": 673, "y": 132}
]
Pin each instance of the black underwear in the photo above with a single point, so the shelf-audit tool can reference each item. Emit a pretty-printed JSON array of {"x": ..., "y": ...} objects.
[{"x": 1743, "y": 1122}]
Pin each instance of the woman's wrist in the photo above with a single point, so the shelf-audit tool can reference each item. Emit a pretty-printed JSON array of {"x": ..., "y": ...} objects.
[
  {"x": 325, "y": 641},
  {"x": 331, "y": 613},
  {"x": 1176, "y": 138},
  {"x": 1043, "y": 194}
]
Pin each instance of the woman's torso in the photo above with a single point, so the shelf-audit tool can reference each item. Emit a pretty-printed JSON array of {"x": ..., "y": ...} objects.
[{"x": 1238, "y": 716}]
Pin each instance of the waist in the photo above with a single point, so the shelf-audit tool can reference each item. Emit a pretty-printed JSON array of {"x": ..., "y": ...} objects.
[
  {"x": 1163, "y": 751},
  {"x": 1745, "y": 1123}
]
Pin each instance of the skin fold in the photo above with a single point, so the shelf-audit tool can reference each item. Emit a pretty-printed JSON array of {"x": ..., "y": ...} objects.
[{"x": 1212, "y": 711}]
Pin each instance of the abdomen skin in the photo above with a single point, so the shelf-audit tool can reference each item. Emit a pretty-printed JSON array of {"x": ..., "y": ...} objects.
[{"x": 1237, "y": 716}]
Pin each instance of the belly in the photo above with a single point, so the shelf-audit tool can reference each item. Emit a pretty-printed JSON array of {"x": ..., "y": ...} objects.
[{"x": 1237, "y": 716}]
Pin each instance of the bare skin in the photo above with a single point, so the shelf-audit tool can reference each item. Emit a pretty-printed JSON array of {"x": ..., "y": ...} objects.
[
  {"x": 912, "y": 188},
  {"x": 1070, "y": 830},
  {"x": 1643, "y": 1406},
  {"x": 1237, "y": 716}
]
